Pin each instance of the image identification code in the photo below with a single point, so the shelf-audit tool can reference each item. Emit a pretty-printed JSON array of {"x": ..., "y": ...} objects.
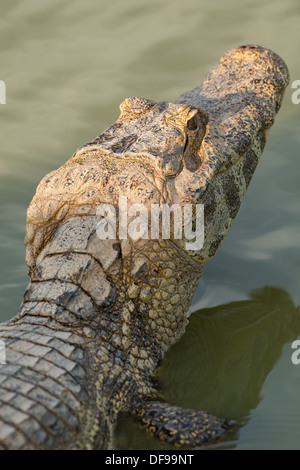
[{"x": 152, "y": 459}]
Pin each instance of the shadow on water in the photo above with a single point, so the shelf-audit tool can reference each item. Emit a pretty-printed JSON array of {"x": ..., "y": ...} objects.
[{"x": 222, "y": 361}]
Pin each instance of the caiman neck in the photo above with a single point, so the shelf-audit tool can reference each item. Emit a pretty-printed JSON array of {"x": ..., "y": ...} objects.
[
  {"x": 157, "y": 282},
  {"x": 133, "y": 297},
  {"x": 144, "y": 284}
]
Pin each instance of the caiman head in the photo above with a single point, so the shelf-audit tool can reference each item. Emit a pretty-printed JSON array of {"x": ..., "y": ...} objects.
[{"x": 201, "y": 149}]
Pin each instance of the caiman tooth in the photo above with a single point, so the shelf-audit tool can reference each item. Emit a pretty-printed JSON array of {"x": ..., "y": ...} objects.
[
  {"x": 160, "y": 185},
  {"x": 34, "y": 212},
  {"x": 63, "y": 211},
  {"x": 50, "y": 208},
  {"x": 29, "y": 234},
  {"x": 38, "y": 242},
  {"x": 29, "y": 258},
  {"x": 266, "y": 132}
]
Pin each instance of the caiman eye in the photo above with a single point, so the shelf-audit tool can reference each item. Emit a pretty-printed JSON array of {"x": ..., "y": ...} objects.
[{"x": 192, "y": 124}]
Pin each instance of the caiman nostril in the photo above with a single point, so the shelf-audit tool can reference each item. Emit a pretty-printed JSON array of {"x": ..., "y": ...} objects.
[{"x": 250, "y": 46}]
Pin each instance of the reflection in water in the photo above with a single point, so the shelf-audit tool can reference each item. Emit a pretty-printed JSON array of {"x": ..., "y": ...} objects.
[{"x": 222, "y": 361}]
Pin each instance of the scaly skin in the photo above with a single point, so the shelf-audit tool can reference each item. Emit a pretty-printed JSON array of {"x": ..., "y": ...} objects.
[{"x": 98, "y": 315}]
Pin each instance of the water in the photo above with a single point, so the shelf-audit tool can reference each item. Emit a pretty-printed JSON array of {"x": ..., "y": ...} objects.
[{"x": 67, "y": 66}]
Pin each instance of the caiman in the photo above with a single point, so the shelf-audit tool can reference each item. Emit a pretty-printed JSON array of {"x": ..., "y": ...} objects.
[{"x": 99, "y": 314}]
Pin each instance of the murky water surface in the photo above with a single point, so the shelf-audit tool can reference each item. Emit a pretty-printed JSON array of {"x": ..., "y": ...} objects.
[{"x": 67, "y": 66}]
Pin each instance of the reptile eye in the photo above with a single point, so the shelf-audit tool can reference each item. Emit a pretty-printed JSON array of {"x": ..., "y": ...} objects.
[{"x": 192, "y": 124}]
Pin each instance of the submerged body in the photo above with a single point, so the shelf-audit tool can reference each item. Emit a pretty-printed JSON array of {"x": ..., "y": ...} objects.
[{"x": 98, "y": 315}]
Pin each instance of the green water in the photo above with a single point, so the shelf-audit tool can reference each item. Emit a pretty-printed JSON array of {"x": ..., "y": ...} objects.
[{"x": 67, "y": 65}]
